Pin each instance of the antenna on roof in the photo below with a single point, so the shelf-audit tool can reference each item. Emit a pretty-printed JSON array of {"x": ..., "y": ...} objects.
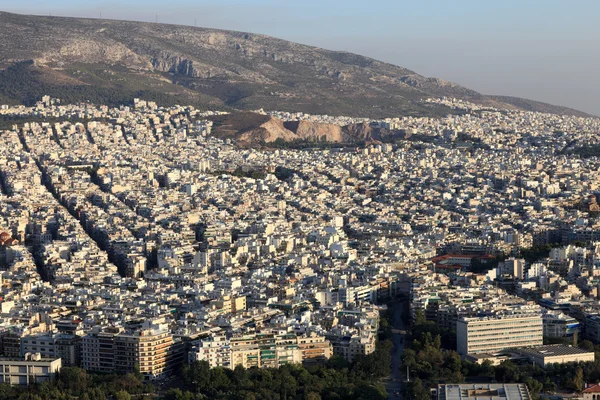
[
  {"x": 195, "y": 22},
  {"x": 156, "y": 18}
]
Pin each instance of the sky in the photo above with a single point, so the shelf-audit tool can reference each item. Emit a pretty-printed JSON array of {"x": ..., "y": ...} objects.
[{"x": 545, "y": 50}]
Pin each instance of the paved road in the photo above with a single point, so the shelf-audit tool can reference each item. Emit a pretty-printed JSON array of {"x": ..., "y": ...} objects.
[{"x": 394, "y": 383}]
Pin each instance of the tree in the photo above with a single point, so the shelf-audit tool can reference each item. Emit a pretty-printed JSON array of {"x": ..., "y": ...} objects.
[
  {"x": 437, "y": 342},
  {"x": 219, "y": 379},
  {"x": 197, "y": 375},
  {"x": 29, "y": 396},
  {"x": 178, "y": 394},
  {"x": 312, "y": 396},
  {"x": 240, "y": 377},
  {"x": 487, "y": 368},
  {"x": 549, "y": 385},
  {"x": 73, "y": 379},
  {"x": 507, "y": 372},
  {"x": 587, "y": 345},
  {"x": 337, "y": 362},
  {"x": 122, "y": 395},
  {"x": 578, "y": 381},
  {"x": 416, "y": 390},
  {"x": 367, "y": 391}
]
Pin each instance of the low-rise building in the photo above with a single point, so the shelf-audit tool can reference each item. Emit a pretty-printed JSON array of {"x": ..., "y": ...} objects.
[
  {"x": 28, "y": 370},
  {"x": 498, "y": 391},
  {"x": 555, "y": 354}
]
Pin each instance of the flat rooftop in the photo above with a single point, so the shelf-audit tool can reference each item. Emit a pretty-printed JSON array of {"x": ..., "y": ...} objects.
[
  {"x": 483, "y": 391},
  {"x": 552, "y": 350}
]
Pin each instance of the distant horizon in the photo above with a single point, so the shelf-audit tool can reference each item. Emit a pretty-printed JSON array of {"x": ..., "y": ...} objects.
[{"x": 541, "y": 53}]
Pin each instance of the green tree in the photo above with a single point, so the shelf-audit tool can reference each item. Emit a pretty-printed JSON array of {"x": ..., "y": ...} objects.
[
  {"x": 587, "y": 345},
  {"x": 72, "y": 379},
  {"x": 416, "y": 391},
  {"x": 312, "y": 396},
  {"x": 366, "y": 391},
  {"x": 578, "y": 380},
  {"x": 507, "y": 372},
  {"x": 535, "y": 387},
  {"x": 122, "y": 395},
  {"x": 197, "y": 375},
  {"x": 219, "y": 379}
]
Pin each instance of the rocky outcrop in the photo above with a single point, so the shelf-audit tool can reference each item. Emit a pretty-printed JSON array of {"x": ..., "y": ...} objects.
[
  {"x": 267, "y": 132},
  {"x": 249, "y": 129},
  {"x": 314, "y": 131},
  {"x": 95, "y": 51}
]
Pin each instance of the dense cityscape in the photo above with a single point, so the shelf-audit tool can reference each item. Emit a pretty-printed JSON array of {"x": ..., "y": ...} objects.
[{"x": 134, "y": 241}]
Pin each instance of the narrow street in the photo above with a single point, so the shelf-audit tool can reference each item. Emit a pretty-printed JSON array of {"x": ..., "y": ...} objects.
[{"x": 395, "y": 382}]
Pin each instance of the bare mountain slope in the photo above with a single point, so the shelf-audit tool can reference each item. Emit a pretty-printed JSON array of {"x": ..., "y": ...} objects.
[
  {"x": 107, "y": 60},
  {"x": 532, "y": 105}
]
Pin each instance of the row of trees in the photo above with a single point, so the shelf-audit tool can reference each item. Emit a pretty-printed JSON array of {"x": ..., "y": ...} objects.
[
  {"x": 335, "y": 380},
  {"x": 77, "y": 383},
  {"x": 239, "y": 172}
]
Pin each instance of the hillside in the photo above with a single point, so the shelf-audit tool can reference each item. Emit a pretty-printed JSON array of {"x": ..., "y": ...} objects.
[
  {"x": 113, "y": 61},
  {"x": 532, "y": 105}
]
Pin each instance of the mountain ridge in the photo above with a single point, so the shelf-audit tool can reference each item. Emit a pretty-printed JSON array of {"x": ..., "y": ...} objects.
[{"x": 213, "y": 68}]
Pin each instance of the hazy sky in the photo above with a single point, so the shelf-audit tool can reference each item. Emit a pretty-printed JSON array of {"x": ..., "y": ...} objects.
[{"x": 546, "y": 50}]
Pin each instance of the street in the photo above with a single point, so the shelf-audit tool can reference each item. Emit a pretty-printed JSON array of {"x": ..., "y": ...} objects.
[{"x": 394, "y": 383}]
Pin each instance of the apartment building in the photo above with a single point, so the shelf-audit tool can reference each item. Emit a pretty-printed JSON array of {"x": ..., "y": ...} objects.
[
  {"x": 245, "y": 352},
  {"x": 98, "y": 350},
  {"x": 273, "y": 350},
  {"x": 560, "y": 325},
  {"x": 314, "y": 349},
  {"x": 64, "y": 346},
  {"x": 350, "y": 346},
  {"x": 592, "y": 327},
  {"x": 30, "y": 369},
  {"x": 492, "y": 333},
  {"x": 261, "y": 350},
  {"x": 150, "y": 348},
  {"x": 215, "y": 350}
]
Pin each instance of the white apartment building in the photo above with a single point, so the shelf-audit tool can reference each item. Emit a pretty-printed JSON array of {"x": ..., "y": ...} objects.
[
  {"x": 261, "y": 350},
  {"x": 494, "y": 333},
  {"x": 215, "y": 350},
  {"x": 558, "y": 325},
  {"x": 28, "y": 370}
]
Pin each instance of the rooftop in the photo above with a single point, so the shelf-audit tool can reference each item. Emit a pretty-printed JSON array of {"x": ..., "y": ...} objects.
[
  {"x": 551, "y": 350},
  {"x": 509, "y": 391}
]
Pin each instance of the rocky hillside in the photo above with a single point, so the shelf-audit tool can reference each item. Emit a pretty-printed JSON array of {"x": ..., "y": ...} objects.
[
  {"x": 113, "y": 61},
  {"x": 251, "y": 129}
]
